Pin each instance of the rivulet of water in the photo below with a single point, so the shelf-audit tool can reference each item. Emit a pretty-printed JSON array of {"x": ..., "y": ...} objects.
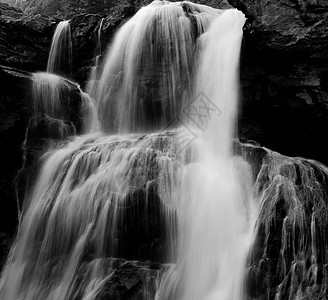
[{"x": 60, "y": 55}]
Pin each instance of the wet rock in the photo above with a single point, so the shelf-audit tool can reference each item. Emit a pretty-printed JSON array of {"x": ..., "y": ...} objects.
[
  {"x": 289, "y": 255},
  {"x": 132, "y": 280},
  {"x": 85, "y": 29}
]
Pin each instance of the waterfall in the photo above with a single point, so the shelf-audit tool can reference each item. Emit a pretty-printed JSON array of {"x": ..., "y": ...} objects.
[
  {"x": 48, "y": 92},
  {"x": 218, "y": 211},
  {"x": 150, "y": 67},
  {"x": 90, "y": 115},
  {"x": 60, "y": 55},
  {"x": 138, "y": 188}
]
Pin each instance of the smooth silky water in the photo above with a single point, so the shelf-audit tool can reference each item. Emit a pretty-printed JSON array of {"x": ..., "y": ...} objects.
[
  {"x": 60, "y": 55},
  {"x": 169, "y": 77}
]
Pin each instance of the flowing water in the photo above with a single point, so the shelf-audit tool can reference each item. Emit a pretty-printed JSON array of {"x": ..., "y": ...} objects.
[
  {"x": 48, "y": 92},
  {"x": 154, "y": 178},
  {"x": 217, "y": 212},
  {"x": 150, "y": 66},
  {"x": 60, "y": 55}
]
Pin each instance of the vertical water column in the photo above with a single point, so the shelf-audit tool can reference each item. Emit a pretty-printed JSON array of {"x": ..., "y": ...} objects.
[
  {"x": 60, "y": 55},
  {"x": 217, "y": 212}
]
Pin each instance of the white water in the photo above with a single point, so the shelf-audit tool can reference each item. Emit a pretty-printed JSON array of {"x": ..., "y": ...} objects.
[
  {"x": 100, "y": 191},
  {"x": 150, "y": 67},
  {"x": 51, "y": 98},
  {"x": 48, "y": 92},
  {"x": 217, "y": 213},
  {"x": 90, "y": 115},
  {"x": 60, "y": 55}
]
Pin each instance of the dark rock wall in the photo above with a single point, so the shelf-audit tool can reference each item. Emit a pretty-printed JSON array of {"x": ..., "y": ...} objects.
[
  {"x": 284, "y": 75},
  {"x": 13, "y": 109},
  {"x": 24, "y": 40}
]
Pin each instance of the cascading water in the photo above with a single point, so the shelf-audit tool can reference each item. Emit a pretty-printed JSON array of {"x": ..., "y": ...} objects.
[
  {"x": 217, "y": 212},
  {"x": 55, "y": 100},
  {"x": 150, "y": 68},
  {"x": 60, "y": 55},
  {"x": 143, "y": 196},
  {"x": 48, "y": 95},
  {"x": 50, "y": 91}
]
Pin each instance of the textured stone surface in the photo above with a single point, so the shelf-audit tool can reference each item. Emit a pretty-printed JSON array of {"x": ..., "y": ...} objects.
[
  {"x": 131, "y": 280},
  {"x": 24, "y": 40},
  {"x": 284, "y": 75},
  {"x": 85, "y": 29},
  {"x": 289, "y": 258}
]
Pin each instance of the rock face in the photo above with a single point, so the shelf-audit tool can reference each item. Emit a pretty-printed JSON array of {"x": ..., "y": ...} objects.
[
  {"x": 289, "y": 258},
  {"x": 131, "y": 280},
  {"x": 285, "y": 76},
  {"x": 13, "y": 124},
  {"x": 91, "y": 37},
  {"x": 24, "y": 40}
]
